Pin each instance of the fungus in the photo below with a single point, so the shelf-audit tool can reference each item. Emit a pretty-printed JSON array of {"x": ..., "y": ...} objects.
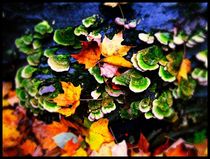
[
  {"x": 21, "y": 94},
  {"x": 95, "y": 115},
  {"x": 108, "y": 108},
  {"x": 50, "y": 106},
  {"x": 148, "y": 38},
  {"x": 202, "y": 56},
  {"x": 66, "y": 37},
  {"x": 80, "y": 30},
  {"x": 43, "y": 28},
  {"x": 58, "y": 63},
  {"x": 50, "y": 52},
  {"x": 108, "y": 70},
  {"x": 18, "y": 77},
  {"x": 95, "y": 71},
  {"x": 135, "y": 63},
  {"x": 113, "y": 92},
  {"x": 93, "y": 20},
  {"x": 28, "y": 71},
  {"x": 201, "y": 75},
  {"x": 138, "y": 85},
  {"x": 165, "y": 75},
  {"x": 148, "y": 115},
  {"x": 34, "y": 59},
  {"x": 144, "y": 105},
  {"x": 95, "y": 94},
  {"x": 163, "y": 37}
]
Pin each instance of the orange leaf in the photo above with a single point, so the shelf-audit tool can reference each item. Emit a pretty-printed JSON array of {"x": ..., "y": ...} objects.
[
  {"x": 117, "y": 61},
  {"x": 71, "y": 147},
  {"x": 161, "y": 148},
  {"x": 71, "y": 96},
  {"x": 98, "y": 134},
  {"x": 6, "y": 88},
  {"x": 185, "y": 68},
  {"x": 180, "y": 148},
  {"x": 28, "y": 147},
  {"x": 143, "y": 144},
  {"x": 202, "y": 148},
  {"x": 89, "y": 54},
  {"x": 44, "y": 133},
  {"x": 113, "y": 47}
]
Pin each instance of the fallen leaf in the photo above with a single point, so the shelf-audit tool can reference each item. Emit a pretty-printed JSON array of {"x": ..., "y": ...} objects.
[
  {"x": 180, "y": 148},
  {"x": 98, "y": 134},
  {"x": 161, "y": 148},
  {"x": 108, "y": 70},
  {"x": 89, "y": 54},
  {"x": 117, "y": 61},
  {"x": 105, "y": 150},
  {"x": 185, "y": 68},
  {"x": 45, "y": 133},
  {"x": 113, "y": 47},
  {"x": 28, "y": 147},
  {"x": 120, "y": 149},
  {"x": 80, "y": 152},
  {"x": 202, "y": 148},
  {"x": 71, "y": 146},
  {"x": 71, "y": 96},
  {"x": 6, "y": 87},
  {"x": 143, "y": 144}
]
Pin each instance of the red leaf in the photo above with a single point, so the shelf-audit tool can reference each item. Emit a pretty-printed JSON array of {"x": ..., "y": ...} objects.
[
  {"x": 143, "y": 144},
  {"x": 161, "y": 148}
]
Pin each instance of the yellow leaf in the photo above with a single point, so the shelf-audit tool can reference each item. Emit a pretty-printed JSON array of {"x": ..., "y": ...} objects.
[
  {"x": 113, "y": 47},
  {"x": 117, "y": 61},
  {"x": 80, "y": 152},
  {"x": 185, "y": 68},
  {"x": 105, "y": 149},
  {"x": 71, "y": 96},
  {"x": 89, "y": 54},
  {"x": 98, "y": 134}
]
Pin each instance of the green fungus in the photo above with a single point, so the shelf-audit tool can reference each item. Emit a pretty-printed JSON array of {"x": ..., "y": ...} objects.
[
  {"x": 145, "y": 105},
  {"x": 163, "y": 37},
  {"x": 58, "y": 63},
  {"x": 50, "y": 106},
  {"x": 43, "y": 28},
  {"x": 95, "y": 71},
  {"x": 34, "y": 59},
  {"x": 138, "y": 85},
  {"x": 80, "y": 30},
  {"x": 165, "y": 75},
  {"x": 28, "y": 71}
]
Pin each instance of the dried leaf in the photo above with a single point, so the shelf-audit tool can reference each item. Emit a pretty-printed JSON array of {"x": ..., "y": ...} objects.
[
  {"x": 120, "y": 149},
  {"x": 105, "y": 149},
  {"x": 28, "y": 147},
  {"x": 108, "y": 70},
  {"x": 161, "y": 148},
  {"x": 71, "y": 96},
  {"x": 98, "y": 134},
  {"x": 113, "y": 47},
  {"x": 6, "y": 87},
  {"x": 202, "y": 148},
  {"x": 80, "y": 152},
  {"x": 180, "y": 148},
  {"x": 185, "y": 68},
  {"x": 117, "y": 61},
  {"x": 143, "y": 144},
  {"x": 89, "y": 54}
]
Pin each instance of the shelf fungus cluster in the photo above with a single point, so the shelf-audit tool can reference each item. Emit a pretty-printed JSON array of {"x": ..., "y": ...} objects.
[{"x": 97, "y": 59}]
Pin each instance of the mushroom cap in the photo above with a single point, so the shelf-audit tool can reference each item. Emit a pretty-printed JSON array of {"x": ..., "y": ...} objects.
[
  {"x": 202, "y": 56},
  {"x": 21, "y": 94},
  {"x": 148, "y": 115},
  {"x": 65, "y": 37},
  {"x": 138, "y": 85},
  {"x": 97, "y": 114},
  {"x": 28, "y": 71},
  {"x": 58, "y": 63},
  {"x": 163, "y": 37},
  {"x": 149, "y": 39},
  {"x": 34, "y": 59},
  {"x": 144, "y": 105},
  {"x": 93, "y": 20},
  {"x": 80, "y": 30},
  {"x": 187, "y": 87},
  {"x": 95, "y": 71},
  {"x": 50, "y": 106},
  {"x": 95, "y": 94},
  {"x": 113, "y": 92},
  {"x": 143, "y": 65},
  {"x": 50, "y": 52},
  {"x": 165, "y": 75},
  {"x": 18, "y": 77},
  {"x": 108, "y": 108},
  {"x": 43, "y": 28},
  {"x": 135, "y": 63}
]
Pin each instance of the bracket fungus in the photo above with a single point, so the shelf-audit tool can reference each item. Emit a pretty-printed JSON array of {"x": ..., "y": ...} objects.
[
  {"x": 58, "y": 63},
  {"x": 148, "y": 38},
  {"x": 43, "y": 28},
  {"x": 165, "y": 75},
  {"x": 202, "y": 56},
  {"x": 28, "y": 71},
  {"x": 93, "y": 20},
  {"x": 95, "y": 71},
  {"x": 201, "y": 75}
]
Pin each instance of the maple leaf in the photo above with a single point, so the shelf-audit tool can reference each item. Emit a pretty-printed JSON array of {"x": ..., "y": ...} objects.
[
  {"x": 71, "y": 96},
  {"x": 117, "y": 61},
  {"x": 108, "y": 70},
  {"x": 89, "y": 54},
  {"x": 80, "y": 152},
  {"x": 185, "y": 68},
  {"x": 113, "y": 47},
  {"x": 28, "y": 147},
  {"x": 105, "y": 150},
  {"x": 98, "y": 134}
]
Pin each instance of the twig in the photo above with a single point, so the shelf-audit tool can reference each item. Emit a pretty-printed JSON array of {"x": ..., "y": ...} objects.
[{"x": 90, "y": 99}]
